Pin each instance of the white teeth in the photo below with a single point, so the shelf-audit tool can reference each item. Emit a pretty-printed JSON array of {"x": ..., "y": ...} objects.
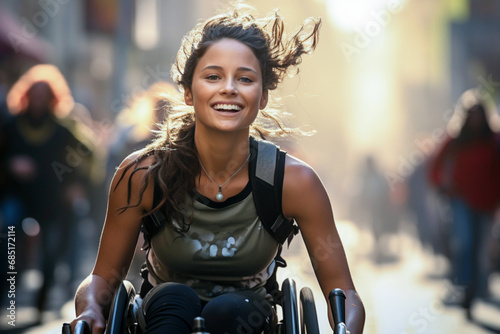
[{"x": 221, "y": 106}]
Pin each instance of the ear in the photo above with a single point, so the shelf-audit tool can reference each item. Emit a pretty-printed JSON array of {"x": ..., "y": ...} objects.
[
  {"x": 263, "y": 99},
  {"x": 188, "y": 97}
]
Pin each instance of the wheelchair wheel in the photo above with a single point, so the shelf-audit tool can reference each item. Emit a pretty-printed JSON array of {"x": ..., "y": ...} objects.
[
  {"x": 308, "y": 315},
  {"x": 290, "y": 310},
  {"x": 120, "y": 308}
]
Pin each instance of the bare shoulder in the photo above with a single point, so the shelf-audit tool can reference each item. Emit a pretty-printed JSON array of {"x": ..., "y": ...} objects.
[
  {"x": 298, "y": 174},
  {"x": 131, "y": 177},
  {"x": 134, "y": 157},
  {"x": 301, "y": 187}
]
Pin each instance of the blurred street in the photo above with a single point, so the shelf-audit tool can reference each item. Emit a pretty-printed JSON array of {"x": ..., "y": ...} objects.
[{"x": 401, "y": 296}]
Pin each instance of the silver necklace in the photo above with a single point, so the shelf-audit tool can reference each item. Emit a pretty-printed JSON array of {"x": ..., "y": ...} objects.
[{"x": 219, "y": 195}]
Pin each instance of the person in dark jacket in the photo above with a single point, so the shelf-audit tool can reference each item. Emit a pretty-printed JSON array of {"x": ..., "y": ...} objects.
[{"x": 42, "y": 167}]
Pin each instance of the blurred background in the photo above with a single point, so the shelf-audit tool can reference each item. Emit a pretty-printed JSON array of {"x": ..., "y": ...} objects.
[{"x": 381, "y": 91}]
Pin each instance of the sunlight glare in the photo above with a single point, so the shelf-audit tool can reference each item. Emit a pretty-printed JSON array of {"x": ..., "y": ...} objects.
[{"x": 349, "y": 15}]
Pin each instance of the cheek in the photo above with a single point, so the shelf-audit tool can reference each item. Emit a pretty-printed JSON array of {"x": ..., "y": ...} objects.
[{"x": 199, "y": 92}]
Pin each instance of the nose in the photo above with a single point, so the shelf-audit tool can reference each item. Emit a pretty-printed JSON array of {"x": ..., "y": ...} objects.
[{"x": 229, "y": 88}]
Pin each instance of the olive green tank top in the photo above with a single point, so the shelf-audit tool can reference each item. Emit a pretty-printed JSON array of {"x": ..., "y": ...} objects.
[{"x": 225, "y": 249}]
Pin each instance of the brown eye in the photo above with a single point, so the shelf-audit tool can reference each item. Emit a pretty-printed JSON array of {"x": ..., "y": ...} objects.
[{"x": 212, "y": 77}]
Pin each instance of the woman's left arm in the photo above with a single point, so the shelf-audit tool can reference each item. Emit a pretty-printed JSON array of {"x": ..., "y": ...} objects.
[{"x": 306, "y": 200}]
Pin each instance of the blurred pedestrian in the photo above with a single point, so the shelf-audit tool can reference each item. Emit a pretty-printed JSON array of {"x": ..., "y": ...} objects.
[
  {"x": 377, "y": 211},
  {"x": 41, "y": 171},
  {"x": 467, "y": 170}
]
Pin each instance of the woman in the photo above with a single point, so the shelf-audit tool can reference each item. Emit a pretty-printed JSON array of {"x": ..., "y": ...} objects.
[
  {"x": 225, "y": 68},
  {"x": 467, "y": 170}
]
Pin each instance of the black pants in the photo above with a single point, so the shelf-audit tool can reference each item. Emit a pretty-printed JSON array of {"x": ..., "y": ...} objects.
[{"x": 173, "y": 306}]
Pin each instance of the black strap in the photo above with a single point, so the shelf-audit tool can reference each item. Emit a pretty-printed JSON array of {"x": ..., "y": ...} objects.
[
  {"x": 272, "y": 287},
  {"x": 267, "y": 171},
  {"x": 152, "y": 222}
]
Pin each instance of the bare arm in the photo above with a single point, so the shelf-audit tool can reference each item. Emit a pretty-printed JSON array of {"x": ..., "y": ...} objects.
[
  {"x": 116, "y": 249},
  {"x": 305, "y": 199}
]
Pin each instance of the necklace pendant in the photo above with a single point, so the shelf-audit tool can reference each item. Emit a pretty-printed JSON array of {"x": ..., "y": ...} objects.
[{"x": 219, "y": 195}]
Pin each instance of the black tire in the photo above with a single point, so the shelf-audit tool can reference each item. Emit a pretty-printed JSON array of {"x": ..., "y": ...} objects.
[
  {"x": 120, "y": 308},
  {"x": 290, "y": 309},
  {"x": 308, "y": 314}
]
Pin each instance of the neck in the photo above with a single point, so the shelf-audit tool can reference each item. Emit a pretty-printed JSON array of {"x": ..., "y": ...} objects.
[{"x": 221, "y": 152}]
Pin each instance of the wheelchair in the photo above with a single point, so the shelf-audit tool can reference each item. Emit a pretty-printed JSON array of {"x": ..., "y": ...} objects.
[{"x": 125, "y": 306}]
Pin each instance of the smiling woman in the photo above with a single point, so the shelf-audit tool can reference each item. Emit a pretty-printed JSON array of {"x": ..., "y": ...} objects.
[{"x": 213, "y": 253}]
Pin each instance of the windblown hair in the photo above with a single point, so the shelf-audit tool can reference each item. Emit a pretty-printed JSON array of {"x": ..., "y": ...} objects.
[
  {"x": 466, "y": 134},
  {"x": 176, "y": 163}
]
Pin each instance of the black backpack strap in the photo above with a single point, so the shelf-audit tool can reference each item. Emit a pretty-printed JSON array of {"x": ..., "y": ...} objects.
[
  {"x": 152, "y": 222},
  {"x": 267, "y": 171}
]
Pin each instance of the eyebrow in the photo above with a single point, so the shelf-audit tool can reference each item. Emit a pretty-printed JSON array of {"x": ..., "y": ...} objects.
[{"x": 216, "y": 67}]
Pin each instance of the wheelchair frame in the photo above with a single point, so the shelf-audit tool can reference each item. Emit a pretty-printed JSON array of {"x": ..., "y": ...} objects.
[{"x": 123, "y": 312}]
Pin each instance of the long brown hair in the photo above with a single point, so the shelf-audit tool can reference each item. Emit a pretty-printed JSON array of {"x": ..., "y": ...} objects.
[{"x": 176, "y": 163}]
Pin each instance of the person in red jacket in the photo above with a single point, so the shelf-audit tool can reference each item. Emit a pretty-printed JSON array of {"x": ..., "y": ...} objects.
[{"x": 467, "y": 170}]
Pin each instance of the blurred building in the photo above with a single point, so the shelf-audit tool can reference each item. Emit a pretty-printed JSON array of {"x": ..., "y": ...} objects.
[{"x": 475, "y": 49}]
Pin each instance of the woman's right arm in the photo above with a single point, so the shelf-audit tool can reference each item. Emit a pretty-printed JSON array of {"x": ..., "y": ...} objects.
[{"x": 116, "y": 249}]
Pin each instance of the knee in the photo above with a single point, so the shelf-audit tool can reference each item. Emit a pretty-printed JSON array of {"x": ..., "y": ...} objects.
[
  {"x": 172, "y": 298},
  {"x": 238, "y": 312}
]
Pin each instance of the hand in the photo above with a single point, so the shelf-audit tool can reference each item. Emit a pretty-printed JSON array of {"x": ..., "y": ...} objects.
[{"x": 94, "y": 319}]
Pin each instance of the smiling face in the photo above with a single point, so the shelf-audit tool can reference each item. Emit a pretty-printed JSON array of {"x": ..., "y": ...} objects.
[{"x": 226, "y": 90}]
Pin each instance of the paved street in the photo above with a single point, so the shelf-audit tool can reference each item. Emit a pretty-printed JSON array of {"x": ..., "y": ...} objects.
[{"x": 401, "y": 296}]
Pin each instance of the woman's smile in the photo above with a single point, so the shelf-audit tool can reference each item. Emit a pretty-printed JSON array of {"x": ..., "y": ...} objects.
[{"x": 229, "y": 107}]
